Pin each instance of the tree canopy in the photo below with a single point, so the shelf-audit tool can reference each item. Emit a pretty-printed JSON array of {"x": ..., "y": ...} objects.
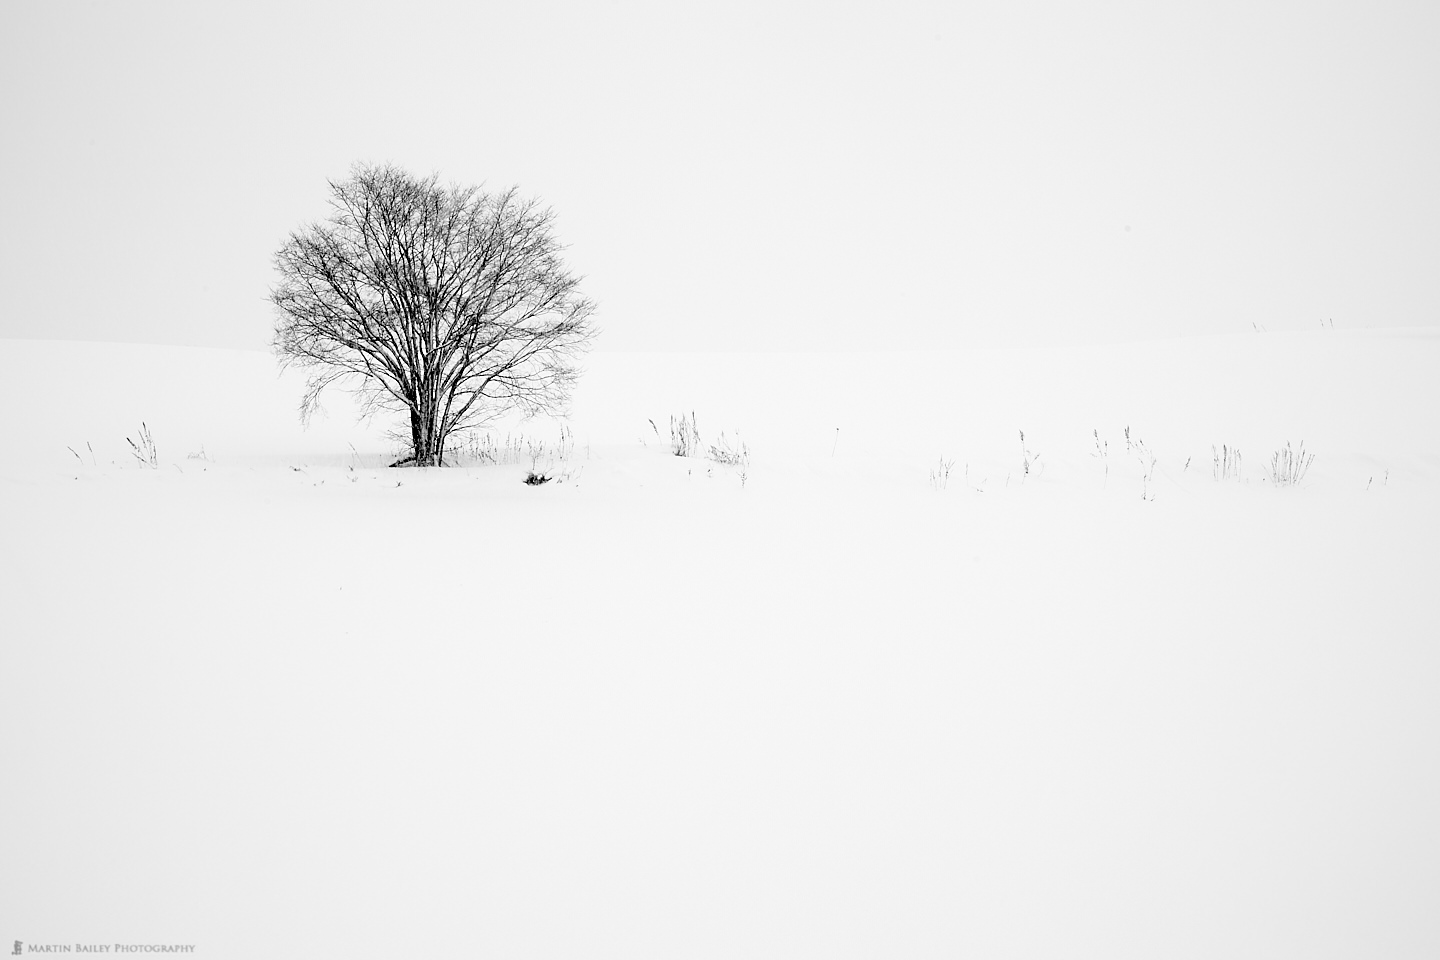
[{"x": 444, "y": 302}]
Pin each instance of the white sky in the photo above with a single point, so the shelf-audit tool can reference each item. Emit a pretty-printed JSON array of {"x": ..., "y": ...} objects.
[{"x": 747, "y": 175}]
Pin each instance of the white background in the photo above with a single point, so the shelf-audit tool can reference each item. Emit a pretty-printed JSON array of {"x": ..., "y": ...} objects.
[{"x": 747, "y": 175}]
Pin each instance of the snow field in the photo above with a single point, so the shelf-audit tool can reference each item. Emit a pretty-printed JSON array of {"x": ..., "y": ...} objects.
[{"x": 274, "y": 704}]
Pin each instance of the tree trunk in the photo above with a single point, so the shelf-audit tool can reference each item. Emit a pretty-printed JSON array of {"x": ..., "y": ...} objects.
[{"x": 425, "y": 439}]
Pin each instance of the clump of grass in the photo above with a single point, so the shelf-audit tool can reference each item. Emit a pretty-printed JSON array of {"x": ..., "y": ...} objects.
[
  {"x": 730, "y": 454},
  {"x": 1102, "y": 452},
  {"x": 557, "y": 459},
  {"x": 684, "y": 435},
  {"x": 1029, "y": 461},
  {"x": 1225, "y": 462},
  {"x": 144, "y": 451},
  {"x": 940, "y": 473},
  {"x": 548, "y": 460},
  {"x": 1143, "y": 455},
  {"x": 563, "y": 449},
  {"x": 1288, "y": 467},
  {"x": 482, "y": 448}
]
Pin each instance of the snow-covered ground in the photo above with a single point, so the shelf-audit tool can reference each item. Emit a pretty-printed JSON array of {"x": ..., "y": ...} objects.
[{"x": 273, "y": 699}]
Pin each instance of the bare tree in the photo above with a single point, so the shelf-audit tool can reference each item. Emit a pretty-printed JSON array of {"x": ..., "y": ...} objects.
[{"x": 448, "y": 303}]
